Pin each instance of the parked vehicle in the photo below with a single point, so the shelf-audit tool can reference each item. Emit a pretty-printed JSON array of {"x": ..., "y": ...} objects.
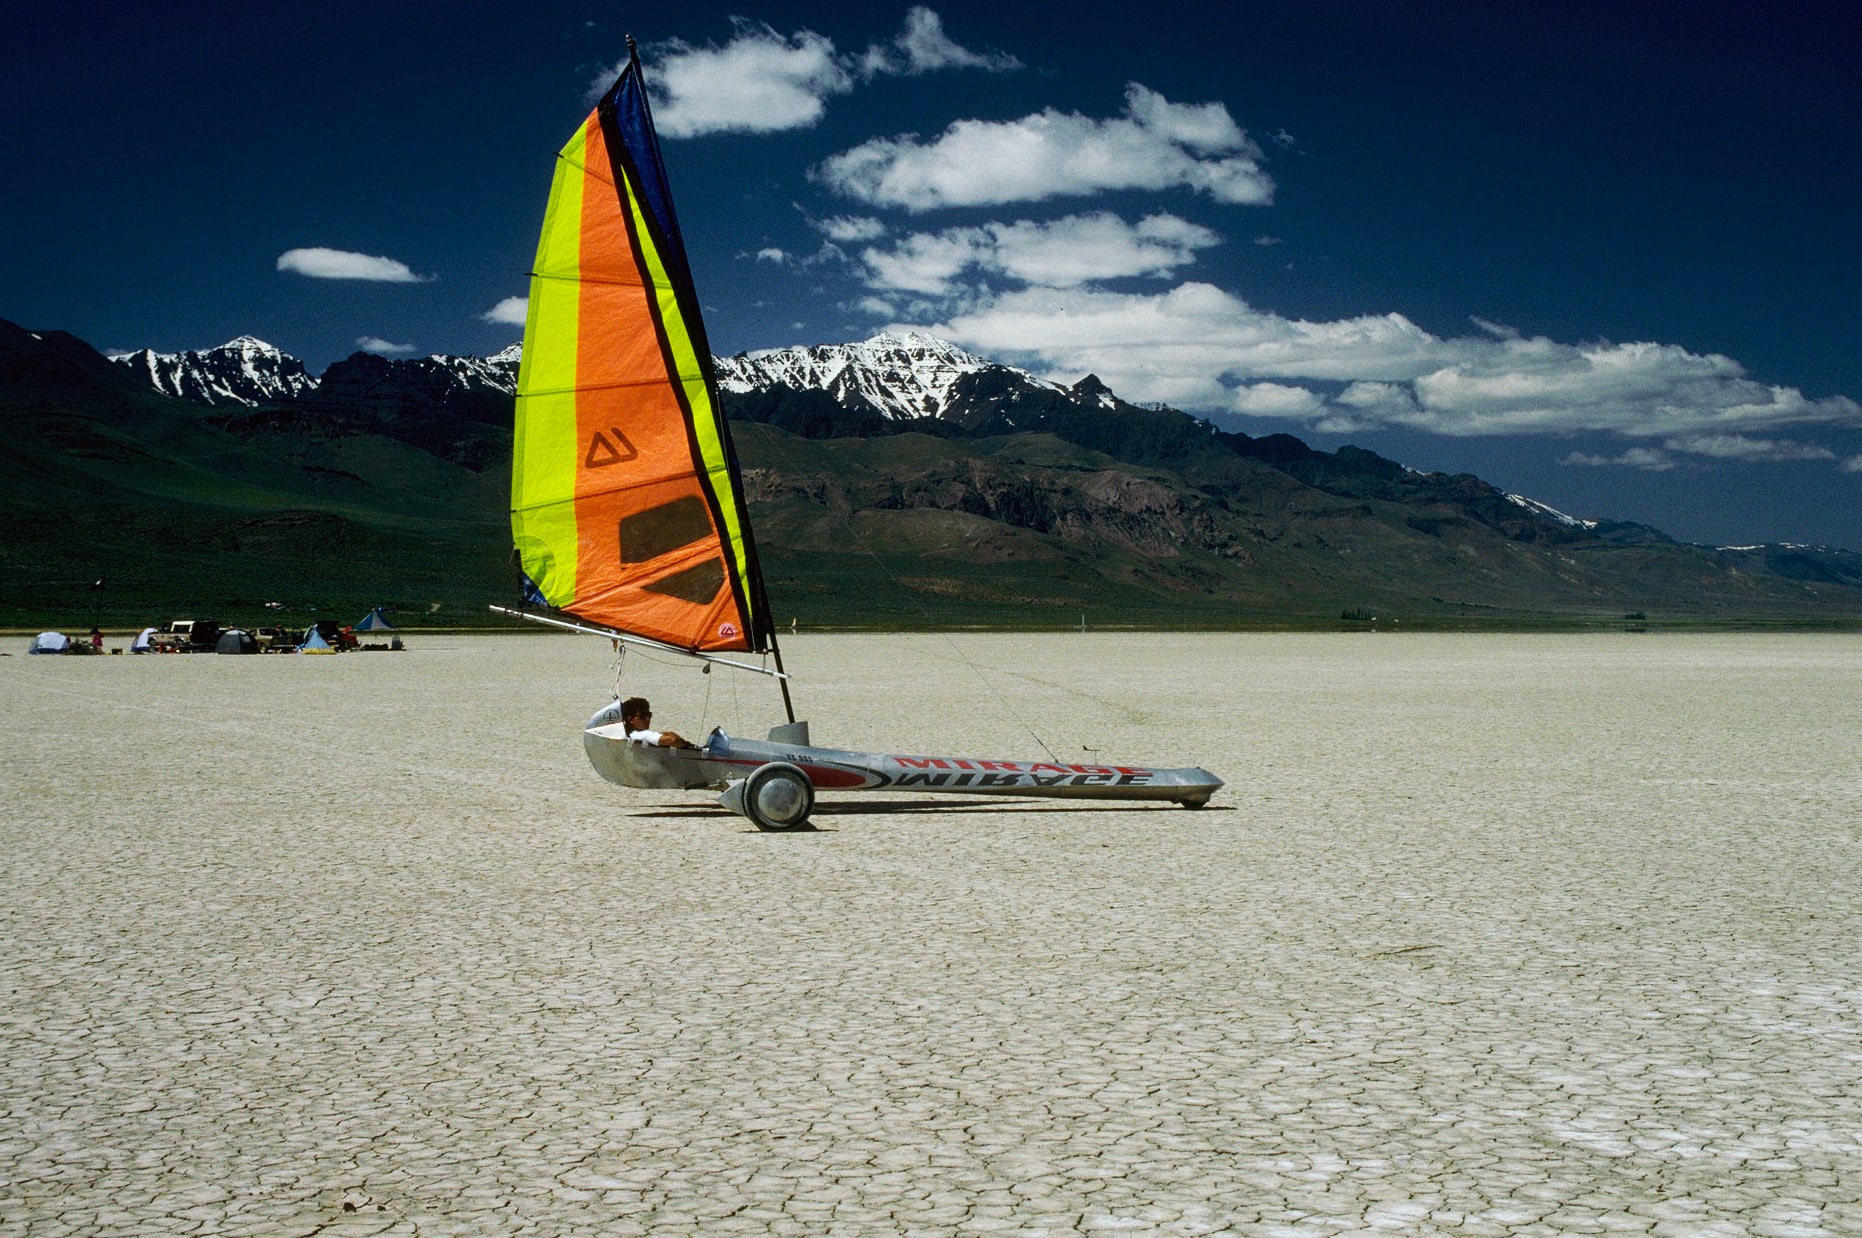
[
  {"x": 275, "y": 640},
  {"x": 187, "y": 636}
]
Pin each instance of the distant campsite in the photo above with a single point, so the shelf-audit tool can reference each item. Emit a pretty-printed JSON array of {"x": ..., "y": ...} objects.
[{"x": 373, "y": 633}]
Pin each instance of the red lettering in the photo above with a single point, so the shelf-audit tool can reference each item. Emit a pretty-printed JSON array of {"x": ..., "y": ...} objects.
[{"x": 922, "y": 762}]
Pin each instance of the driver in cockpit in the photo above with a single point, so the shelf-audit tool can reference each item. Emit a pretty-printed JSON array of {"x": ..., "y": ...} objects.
[{"x": 637, "y": 717}]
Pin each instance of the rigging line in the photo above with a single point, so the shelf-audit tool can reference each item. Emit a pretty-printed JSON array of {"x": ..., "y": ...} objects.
[{"x": 899, "y": 589}]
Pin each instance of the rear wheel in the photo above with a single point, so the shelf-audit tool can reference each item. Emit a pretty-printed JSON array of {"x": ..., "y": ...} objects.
[{"x": 778, "y": 796}]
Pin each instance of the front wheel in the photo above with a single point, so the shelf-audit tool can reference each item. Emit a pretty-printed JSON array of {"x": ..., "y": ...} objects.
[{"x": 775, "y": 797}]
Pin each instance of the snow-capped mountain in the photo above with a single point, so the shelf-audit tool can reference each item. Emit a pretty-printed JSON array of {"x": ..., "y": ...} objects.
[
  {"x": 251, "y": 372},
  {"x": 240, "y": 371},
  {"x": 498, "y": 371},
  {"x": 903, "y": 376}
]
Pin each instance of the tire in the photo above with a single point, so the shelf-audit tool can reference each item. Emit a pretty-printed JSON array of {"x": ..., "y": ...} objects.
[{"x": 778, "y": 797}]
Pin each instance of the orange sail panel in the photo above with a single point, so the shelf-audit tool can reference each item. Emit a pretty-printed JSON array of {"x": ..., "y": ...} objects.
[{"x": 626, "y": 504}]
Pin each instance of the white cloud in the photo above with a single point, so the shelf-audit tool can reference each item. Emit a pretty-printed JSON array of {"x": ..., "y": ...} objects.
[
  {"x": 375, "y": 344},
  {"x": 851, "y": 229},
  {"x": 763, "y": 81},
  {"x": 320, "y": 263},
  {"x": 772, "y": 254},
  {"x": 1061, "y": 253},
  {"x": 922, "y": 46},
  {"x": 926, "y": 262},
  {"x": 1205, "y": 349},
  {"x": 1852, "y": 465},
  {"x": 1647, "y": 459},
  {"x": 1278, "y": 400},
  {"x": 1156, "y": 144},
  {"x": 511, "y": 311},
  {"x": 1741, "y": 447},
  {"x": 759, "y": 82}
]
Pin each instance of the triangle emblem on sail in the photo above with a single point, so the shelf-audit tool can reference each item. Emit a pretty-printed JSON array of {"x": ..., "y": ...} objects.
[{"x": 604, "y": 450}]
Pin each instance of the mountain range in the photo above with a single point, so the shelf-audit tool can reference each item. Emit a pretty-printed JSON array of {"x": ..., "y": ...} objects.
[{"x": 897, "y": 480}]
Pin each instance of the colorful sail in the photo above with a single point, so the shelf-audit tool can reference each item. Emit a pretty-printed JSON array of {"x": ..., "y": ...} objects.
[{"x": 626, "y": 504}]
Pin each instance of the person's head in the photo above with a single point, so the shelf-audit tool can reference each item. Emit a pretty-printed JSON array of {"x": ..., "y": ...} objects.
[{"x": 636, "y": 712}]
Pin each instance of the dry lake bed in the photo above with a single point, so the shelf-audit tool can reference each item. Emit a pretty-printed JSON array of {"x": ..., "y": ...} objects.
[{"x": 1486, "y": 935}]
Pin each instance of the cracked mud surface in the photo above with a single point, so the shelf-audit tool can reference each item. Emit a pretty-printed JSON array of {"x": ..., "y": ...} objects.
[{"x": 1487, "y": 935}]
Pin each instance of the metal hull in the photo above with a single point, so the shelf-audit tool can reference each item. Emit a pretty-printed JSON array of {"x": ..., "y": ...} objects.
[{"x": 724, "y": 759}]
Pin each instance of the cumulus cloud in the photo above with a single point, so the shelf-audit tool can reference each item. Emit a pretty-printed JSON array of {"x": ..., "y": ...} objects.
[
  {"x": 1852, "y": 465},
  {"x": 1204, "y": 349},
  {"x": 510, "y": 312},
  {"x": 1278, "y": 400},
  {"x": 922, "y": 47},
  {"x": 772, "y": 254},
  {"x": 320, "y": 263},
  {"x": 759, "y": 82},
  {"x": 1648, "y": 459},
  {"x": 1061, "y": 253},
  {"x": 763, "y": 81},
  {"x": 1743, "y": 447},
  {"x": 851, "y": 229},
  {"x": 375, "y": 344},
  {"x": 1156, "y": 145}
]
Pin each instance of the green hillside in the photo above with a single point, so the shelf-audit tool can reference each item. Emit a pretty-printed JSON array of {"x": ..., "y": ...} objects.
[{"x": 1045, "y": 513}]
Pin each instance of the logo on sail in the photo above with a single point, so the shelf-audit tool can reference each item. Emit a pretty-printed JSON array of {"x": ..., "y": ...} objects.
[{"x": 603, "y": 451}]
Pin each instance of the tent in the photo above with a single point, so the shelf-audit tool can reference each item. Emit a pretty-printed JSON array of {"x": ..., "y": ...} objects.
[
  {"x": 49, "y": 642},
  {"x": 314, "y": 643},
  {"x": 141, "y": 643},
  {"x": 236, "y": 640},
  {"x": 374, "y": 621}
]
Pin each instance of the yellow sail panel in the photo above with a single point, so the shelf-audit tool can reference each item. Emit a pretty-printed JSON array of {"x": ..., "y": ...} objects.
[
  {"x": 626, "y": 504},
  {"x": 542, "y": 481}
]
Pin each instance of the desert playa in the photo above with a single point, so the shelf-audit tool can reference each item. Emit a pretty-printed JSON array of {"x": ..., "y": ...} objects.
[{"x": 1486, "y": 935}]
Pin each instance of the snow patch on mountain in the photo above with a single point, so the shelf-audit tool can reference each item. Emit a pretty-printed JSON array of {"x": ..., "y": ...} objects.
[
  {"x": 241, "y": 371},
  {"x": 498, "y": 371},
  {"x": 903, "y": 375},
  {"x": 1550, "y": 513}
]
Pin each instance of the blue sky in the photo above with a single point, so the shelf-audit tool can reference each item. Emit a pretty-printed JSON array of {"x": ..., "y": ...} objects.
[{"x": 1604, "y": 255}]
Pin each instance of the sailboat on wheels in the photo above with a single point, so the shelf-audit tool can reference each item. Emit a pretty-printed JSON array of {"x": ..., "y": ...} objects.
[{"x": 627, "y": 505}]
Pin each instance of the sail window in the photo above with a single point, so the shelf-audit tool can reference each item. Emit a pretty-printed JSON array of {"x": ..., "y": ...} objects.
[
  {"x": 697, "y": 585},
  {"x": 659, "y": 530}
]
